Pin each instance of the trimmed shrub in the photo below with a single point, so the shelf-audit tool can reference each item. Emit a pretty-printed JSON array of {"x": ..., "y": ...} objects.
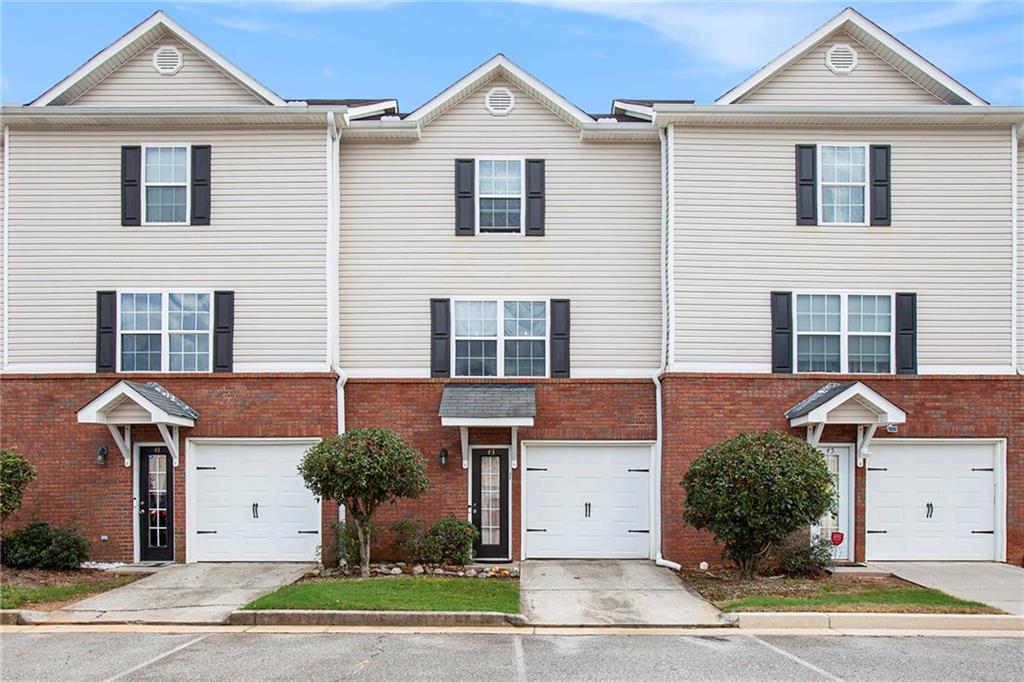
[
  {"x": 751, "y": 491},
  {"x": 15, "y": 474},
  {"x": 450, "y": 541},
  {"x": 799, "y": 556},
  {"x": 410, "y": 537},
  {"x": 38, "y": 545}
]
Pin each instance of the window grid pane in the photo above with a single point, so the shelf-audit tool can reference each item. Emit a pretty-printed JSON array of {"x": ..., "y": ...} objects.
[
  {"x": 869, "y": 354},
  {"x": 476, "y": 318},
  {"x": 500, "y": 215},
  {"x": 140, "y": 352},
  {"x": 525, "y": 318},
  {"x": 188, "y": 312},
  {"x": 165, "y": 204},
  {"x": 817, "y": 353},
  {"x": 843, "y": 183},
  {"x": 524, "y": 358},
  {"x": 869, "y": 313},
  {"x": 818, "y": 313},
  {"x": 502, "y": 178},
  {"x": 166, "y": 174},
  {"x": 189, "y": 352},
  {"x": 476, "y": 358}
]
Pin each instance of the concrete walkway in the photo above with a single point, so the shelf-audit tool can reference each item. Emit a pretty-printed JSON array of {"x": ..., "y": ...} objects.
[
  {"x": 574, "y": 593},
  {"x": 184, "y": 593},
  {"x": 998, "y": 585}
]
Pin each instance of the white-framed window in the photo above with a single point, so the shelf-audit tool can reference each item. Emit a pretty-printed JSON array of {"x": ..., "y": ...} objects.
[
  {"x": 500, "y": 185},
  {"x": 164, "y": 331},
  {"x": 843, "y": 184},
  {"x": 844, "y": 332},
  {"x": 165, "y": 184},
  {"x": 498, "y": 337}
]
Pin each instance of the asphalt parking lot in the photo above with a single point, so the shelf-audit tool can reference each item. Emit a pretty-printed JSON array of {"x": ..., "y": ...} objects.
[{"x": 505, "y": 656}]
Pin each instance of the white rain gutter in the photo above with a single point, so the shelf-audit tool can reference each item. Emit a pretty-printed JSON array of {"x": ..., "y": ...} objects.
[{"x": 667, "y": 226}]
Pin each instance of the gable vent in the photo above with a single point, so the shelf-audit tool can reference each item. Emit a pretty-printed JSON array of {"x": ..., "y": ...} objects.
[
  {"x": 499, "y": 101},
  {"x": 167, "y": 60},
  {"x": 841, "y": 58}
]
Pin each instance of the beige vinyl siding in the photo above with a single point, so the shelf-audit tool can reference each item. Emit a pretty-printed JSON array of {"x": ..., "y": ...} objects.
[
  {"x": 809, "y": 81},
  {"x": 137, "y": 83},
  {"x": 399, "y": 249},
  {"x": 737, "y": 240},
  {"x": 266, "y": 241}
]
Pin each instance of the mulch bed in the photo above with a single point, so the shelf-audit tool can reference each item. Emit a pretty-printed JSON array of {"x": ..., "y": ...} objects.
[
  {"x": 41, "y": 577},
  {"x": 724, "y": 584}
]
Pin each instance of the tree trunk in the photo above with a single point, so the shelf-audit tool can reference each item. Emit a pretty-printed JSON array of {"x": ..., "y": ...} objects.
[{"x": 364, "y": 549}]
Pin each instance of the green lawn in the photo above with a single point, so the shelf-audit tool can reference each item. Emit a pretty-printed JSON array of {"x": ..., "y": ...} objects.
[
  {"x": 16, "y": 596},
  {"x": 396, "y": 594},
  {"x": 886, "y": 598}
]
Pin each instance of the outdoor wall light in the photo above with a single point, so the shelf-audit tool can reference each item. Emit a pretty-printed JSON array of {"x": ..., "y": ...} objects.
[
  {"x": 101, "y": 455},
  {"x": 443, "y": 457}
]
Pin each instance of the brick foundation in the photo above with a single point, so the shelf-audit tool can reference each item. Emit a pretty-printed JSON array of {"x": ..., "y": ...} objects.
[
  {"x": 703, "y": 409},
  {"x": 38, "y": 417}
]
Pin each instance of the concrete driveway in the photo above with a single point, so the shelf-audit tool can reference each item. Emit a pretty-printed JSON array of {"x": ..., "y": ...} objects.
[
  {"x": 998, "y": 585},
  {"x": 184, "y": 593},
  {"x": 603, "y": 592}
]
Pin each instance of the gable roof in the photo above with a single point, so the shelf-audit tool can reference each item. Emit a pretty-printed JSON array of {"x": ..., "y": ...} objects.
[
  {"x": 500, "y": 66},
  {"x": 884, "y": 44},
  {"x": 130, "y": 45},
  {"x": 815, "y": 408}
]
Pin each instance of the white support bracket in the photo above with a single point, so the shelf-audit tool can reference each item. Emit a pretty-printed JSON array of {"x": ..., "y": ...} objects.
[
  {"x": 464, "y": 436},
  {"x": 864, "y": 435},
  {"x": 814, "y": 432},
  {"x": 124, "y": 443},
  {"x": 170, "y": 440},
  {"x": 514, "y": 455}
]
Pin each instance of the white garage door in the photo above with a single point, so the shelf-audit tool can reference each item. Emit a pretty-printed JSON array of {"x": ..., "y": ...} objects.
[
  {"x": 587, "y": 501},
  {"x": 929, "y": 500},
  {"x": 247, "y": 502}
]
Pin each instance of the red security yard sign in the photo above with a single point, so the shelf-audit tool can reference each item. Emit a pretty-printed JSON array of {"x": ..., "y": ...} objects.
[{"x": 837, "y": 538}]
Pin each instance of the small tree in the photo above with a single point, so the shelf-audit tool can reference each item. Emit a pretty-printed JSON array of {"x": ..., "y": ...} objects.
[
  {"x": 362, "y": 469},
  {"x": 753, "y": 490},
  {"x": 15, "y": 474}
]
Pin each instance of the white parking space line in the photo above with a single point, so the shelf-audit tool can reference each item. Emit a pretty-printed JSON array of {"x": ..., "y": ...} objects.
[
  {"x": 153, "y": 660},
  {"x": 797, "y": 659},
  {"x": 520, "y": 657}
]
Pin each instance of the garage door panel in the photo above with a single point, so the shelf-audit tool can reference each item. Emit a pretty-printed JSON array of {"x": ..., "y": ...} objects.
[{"x": 928, "y": 501}]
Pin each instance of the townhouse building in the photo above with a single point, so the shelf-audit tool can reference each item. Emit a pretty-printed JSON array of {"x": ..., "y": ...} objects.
[{"x": 559, "y": 309}]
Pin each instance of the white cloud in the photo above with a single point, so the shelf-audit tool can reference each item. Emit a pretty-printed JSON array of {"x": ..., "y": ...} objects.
[
  {"x": 957, "y": 13},
  {"x": 327, "y": 72},
  {"x": 258, "y": 25}
]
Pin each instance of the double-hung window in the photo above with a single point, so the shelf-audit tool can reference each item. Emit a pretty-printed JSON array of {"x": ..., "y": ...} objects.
[
  {"x": 168, "y": 331},
  {"x": 500, "y": 196},
  {"x": 165, "y": 177},
  {"x": 500, "y": 338},
  {"x": 844, "y": 333},
  {"x": 843, "y": 187}
]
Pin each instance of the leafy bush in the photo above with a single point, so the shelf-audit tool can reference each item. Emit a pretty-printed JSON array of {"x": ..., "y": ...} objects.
[
  {"x": 38, "y": 545},
  {"x": 346, "y": 542},
  {"x": 449, "y": 541},
  {"x": 800, "y": 557},
  {"x": 362, "y": 469},
  {"x": 751, "y": 491},
  {"x": 15, "y": 474},
  {"x": 410, "y": 537}
]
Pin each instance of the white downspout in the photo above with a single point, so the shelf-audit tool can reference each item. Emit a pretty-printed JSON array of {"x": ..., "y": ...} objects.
[
  {"x": 6, "y": 246},
  {"x": 667, "y": 197},
  {"x": 333, "y": 272},
  {"x": 1014, "y": 251}
]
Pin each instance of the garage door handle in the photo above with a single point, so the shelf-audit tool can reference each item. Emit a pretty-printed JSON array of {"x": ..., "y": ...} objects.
[
  {"x": 536, "y": 530},
  {"x": 876, "y": 531},
  {"x": 536, "y": 468},
  {"x": 983, "y": 532},
  {"x": 308, "y": 532},
  {"x": 206, "y": 468},
  {"x": 206, "y": 532},
  {"x": 639, "y": 531},
  {"x": 639, "y": 470},
  {"x": 982, "y": 469},
  {"x": 877, "y": 469}
]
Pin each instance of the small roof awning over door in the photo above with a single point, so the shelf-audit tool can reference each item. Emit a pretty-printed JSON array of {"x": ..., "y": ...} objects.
[
  {"x": 129, "y": 403},
  {"x": 847, "y": 403},
  {"x": 488, "y": 405}
]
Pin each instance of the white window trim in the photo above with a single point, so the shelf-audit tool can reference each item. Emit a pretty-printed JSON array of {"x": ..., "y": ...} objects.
[
  {"x": 187, "y": 184},
  {"x": 165, "y": 332},
  {"x": 844, "y": 333},
  {"x": 501, "y": 338},
  {"x": 821, "y": 183},
  {"x": 477, "y": 195}
]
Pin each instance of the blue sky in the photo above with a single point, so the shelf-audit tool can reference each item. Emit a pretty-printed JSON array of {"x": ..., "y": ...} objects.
[{"x": 590, "y": 52}]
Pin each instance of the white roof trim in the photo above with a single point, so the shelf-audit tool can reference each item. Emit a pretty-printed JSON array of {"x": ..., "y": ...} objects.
[
  {"x": 374, "y": 109},
  {"x": 486, "y": 421},
  {"x": 158, "y": 19},
  {"x": 888, "y": 412},
  {"x": 850, "y": 16},
  {"x": 631, "y": 109},
  {"x": 499, "y": 64},
  {"x": 96, "y": 411}
]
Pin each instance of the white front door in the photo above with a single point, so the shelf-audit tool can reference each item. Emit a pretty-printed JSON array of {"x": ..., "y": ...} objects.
[
  {"x": 840, "y": 464},
  {"x": 247, "y": 502},
  {"x": 931, "y": 500},
  {"x": 587, "y": 501}
]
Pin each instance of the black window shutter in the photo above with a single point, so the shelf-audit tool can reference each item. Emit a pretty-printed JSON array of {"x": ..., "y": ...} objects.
[
  {"x": 560, "y": 337},
  {"x": 440, "y": 337},
  {"x": 881, "y": 184},
  {"x": 106, "y": 331},
  {"x": 223, "y": 331},
  {"x": 131, "y": 185},
  {"x": 806, "y": 185},
  {"x": 782, "y": 332},
  {"x": 906, "y": 333},
  {"x": 465, "y": 205},
  {"x": 201, "y": 184},
  {"x": 535, "y": 197}
]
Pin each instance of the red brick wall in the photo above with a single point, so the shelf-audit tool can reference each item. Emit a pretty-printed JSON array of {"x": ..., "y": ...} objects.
[
  {"x": 703, "y": 409},
  {"x": 567, "y": 409},
  {"x": 38, "y": 417}
]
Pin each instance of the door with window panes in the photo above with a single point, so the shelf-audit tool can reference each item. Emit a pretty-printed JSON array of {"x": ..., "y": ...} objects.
[{"x": 156, "y": 505}]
